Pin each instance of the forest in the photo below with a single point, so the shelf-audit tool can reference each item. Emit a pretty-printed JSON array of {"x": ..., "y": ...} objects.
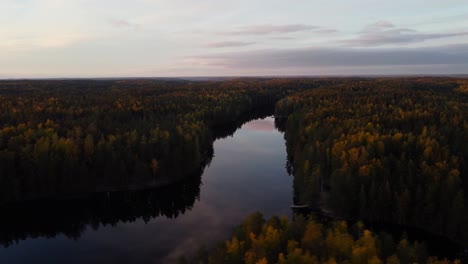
[
  {"x": 307, "y": 241},
  {"x": 380, "y": 150},
  {"x": 76, "y": 136},
  {"x": 387, "y": 150}
]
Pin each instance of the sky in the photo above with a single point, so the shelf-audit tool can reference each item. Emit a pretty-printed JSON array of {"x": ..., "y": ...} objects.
[{"x": 170, "y": 38}]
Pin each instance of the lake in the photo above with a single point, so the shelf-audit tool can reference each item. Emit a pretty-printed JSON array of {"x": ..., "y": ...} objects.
[{"x": 247, "y": 173}]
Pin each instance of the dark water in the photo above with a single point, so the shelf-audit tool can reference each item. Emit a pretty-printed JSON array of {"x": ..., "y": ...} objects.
[{"x": 247, "y": 173}]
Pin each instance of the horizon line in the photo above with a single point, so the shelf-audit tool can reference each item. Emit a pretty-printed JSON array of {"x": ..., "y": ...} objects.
[{"x": 239, "y": 76}]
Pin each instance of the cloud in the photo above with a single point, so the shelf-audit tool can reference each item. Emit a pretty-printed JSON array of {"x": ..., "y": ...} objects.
[
  {"x": 385, "y": 33},
  {"x": 379, "y": 25},
  {"x": 283, "y": 38},
  {"x": 226, "y": 44},
  {"x": 16, "y": 43},
  {"x": 270, "y": 29},
  {"x": 122, "y": 23},
  {"x": 336, "y": 57},
  {"x": 326, "y": 31}
]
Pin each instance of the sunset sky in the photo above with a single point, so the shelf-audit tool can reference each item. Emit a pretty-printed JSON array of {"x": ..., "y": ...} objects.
[{"x": 157, "y": 38}]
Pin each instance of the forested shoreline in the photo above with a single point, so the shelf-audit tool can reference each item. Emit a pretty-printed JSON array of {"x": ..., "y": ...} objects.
[
  {"x": 307, "y": 241},
  {"x": 383, "y": 150},
  {"x": 75, "y": 136}
]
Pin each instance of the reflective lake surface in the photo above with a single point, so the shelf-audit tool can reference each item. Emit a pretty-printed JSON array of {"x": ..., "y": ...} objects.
[{"x": 247, "y": 173}]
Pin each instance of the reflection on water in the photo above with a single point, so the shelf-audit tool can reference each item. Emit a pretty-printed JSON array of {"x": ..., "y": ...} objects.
[{"x": 247, "y": 173}]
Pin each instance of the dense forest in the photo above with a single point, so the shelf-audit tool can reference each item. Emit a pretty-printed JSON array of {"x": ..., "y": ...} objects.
[
  {"x": 307, "y": 241},
  {"x": 381, "y": 150},
  {"x": 62, "y": 137}
]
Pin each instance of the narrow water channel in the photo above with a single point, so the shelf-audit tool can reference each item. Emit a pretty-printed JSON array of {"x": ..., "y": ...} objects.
[{"x": 247, "y": 173}]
